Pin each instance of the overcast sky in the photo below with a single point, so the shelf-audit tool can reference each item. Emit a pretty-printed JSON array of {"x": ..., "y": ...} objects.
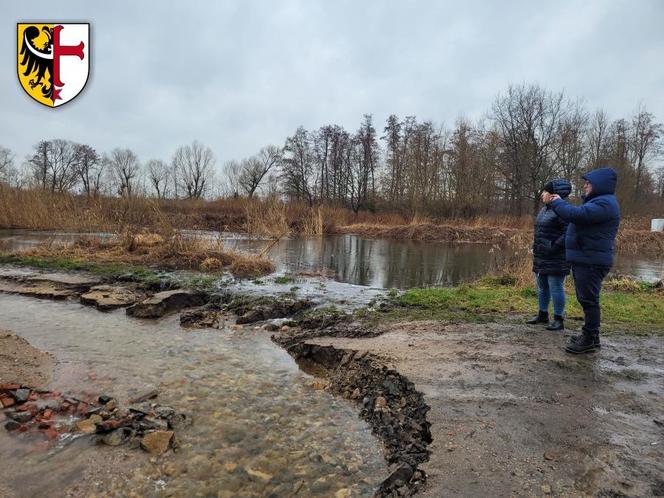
[{"x": 239, "y": 75}]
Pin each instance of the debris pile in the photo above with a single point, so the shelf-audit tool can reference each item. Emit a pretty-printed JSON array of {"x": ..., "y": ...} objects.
[{"x": 51, "y": 416}]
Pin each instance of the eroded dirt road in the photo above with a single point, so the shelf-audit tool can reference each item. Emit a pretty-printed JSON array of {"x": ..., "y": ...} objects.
[{"x": 513, "y": 415}]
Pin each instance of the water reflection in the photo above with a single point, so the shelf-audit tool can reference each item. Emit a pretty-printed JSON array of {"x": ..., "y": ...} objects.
[{"x": 377, "y": 263}]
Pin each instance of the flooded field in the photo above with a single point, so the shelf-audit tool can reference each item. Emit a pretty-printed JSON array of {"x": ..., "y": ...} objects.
[
  {"x": 259, "y": 428},
  {"x": 377, "y": 263}
]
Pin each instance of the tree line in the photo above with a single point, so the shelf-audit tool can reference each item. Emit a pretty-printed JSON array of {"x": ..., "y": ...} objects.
[
  {"x": 496, "y": 165},
  {"x": 59, "y": 165}
]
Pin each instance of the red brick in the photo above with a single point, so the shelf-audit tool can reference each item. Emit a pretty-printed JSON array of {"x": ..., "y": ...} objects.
[{"x": 7, "y": 402}]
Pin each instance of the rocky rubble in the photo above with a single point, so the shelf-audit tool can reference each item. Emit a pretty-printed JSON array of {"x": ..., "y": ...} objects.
[
  {"x": 390, "y": 404},
  {"x": 51, "y": 416}
]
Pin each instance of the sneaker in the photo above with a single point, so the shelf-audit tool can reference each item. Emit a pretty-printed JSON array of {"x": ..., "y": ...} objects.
[
  {"x": 557, "y": 323},
  {"x": 584, "y": 344},
  {"x": 542, "y": 317}
]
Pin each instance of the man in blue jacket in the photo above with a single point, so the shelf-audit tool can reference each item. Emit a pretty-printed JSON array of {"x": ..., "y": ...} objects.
[{"x": 590, "y": 247}]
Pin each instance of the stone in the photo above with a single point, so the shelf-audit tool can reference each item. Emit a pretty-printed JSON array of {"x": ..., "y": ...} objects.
[
  {"x": 342, "y": 493},
  {"x": 178, "y": 421},
  {"x": 320, "y": 385},
  {"x": 144, "y": 396},
  {"x": 89, "y": 425},
  {"x": 230, "y": 467},
  {"x": 207, "y": 316},
  {"x": 20, "y": 417},
  {"x": 44, "y": 291},
  {"x": 114, "y": 438},
  {"x": 103, "y": 399},
  {"x": 264, "y": 476},
  {"x": 12, "y": 425},
  {"x": 22, "y": 395},
  {"x": 546, "y": 489},
  {"x": 157, "y": 442},
  {"x": 164, "y": 302},
  {"x": 398, "y": 478},
  {"x": 380, "y": 403},
  {"x": 164, "y": 411},
  {"x": 109, "y": 297}
]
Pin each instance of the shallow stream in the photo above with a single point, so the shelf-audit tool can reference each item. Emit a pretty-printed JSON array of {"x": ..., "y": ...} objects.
[{"x": 260, "y": 428}]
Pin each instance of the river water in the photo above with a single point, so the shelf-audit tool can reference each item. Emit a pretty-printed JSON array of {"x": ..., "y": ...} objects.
[
  {"x": 377, "y": 263},
  {"x": 253, "y": 410}
]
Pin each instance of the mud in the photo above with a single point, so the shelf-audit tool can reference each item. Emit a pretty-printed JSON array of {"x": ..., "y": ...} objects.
[
  {"x": 21, "y": 363},
  {"x": 511, "y": 412}
]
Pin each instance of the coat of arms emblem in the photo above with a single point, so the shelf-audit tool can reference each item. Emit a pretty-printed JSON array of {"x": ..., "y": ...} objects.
[{"x": 53, "y": 60}]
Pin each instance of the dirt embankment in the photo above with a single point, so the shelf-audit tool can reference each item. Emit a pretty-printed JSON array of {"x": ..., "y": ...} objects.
[
  {"x": 629, "y": 240},
  {"x": 21, "y": 363},
  {"x": 512, "y": 413}
]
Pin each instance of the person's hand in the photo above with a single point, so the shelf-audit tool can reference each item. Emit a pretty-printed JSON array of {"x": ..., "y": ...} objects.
[{"x": 548, "y": 198}]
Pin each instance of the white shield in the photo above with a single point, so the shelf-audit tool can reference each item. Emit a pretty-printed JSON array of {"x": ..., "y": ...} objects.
[{"x": 74, "y": 70}]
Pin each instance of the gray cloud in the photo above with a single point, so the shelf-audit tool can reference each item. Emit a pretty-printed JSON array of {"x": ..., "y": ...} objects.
[{"x": 239, "y": 75}]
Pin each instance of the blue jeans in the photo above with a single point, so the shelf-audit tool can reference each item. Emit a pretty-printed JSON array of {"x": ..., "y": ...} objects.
[{"x": 551, "y": 287}]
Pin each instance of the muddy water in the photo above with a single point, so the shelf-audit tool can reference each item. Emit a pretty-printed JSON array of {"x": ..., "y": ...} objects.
[
  {"x": 378, "y": 263},
  {"x": 259, "y": 429}
]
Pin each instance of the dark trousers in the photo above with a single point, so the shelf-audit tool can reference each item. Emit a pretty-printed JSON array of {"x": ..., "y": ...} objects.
[{"x": 588, "y": 284}]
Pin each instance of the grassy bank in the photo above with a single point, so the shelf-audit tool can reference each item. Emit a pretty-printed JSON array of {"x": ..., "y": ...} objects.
[
  {"x": 144, "y": 250},
  {"x": 636, "y": 308}
]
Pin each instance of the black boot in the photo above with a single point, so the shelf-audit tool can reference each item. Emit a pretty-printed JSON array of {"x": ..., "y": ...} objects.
[
  {"x": 542, "y": 317},
  {"x": 584, "y": 344},
  {"x": 577, "y": 337},
  {"x": 556, "y": 324}
]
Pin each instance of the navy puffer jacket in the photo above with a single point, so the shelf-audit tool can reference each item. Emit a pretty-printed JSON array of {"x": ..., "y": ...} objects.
[
  {"x": 549, "y": 242},
  {"x": 593, "y": 225}
]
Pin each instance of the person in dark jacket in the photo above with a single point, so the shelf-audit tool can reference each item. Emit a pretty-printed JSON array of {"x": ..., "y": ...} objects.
[
  {"x": 549, "y": 262},
  {"x": 590, "y": 247}
]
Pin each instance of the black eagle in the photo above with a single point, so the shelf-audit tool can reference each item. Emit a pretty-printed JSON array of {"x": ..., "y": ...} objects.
[{"x": 38, "y": 59}]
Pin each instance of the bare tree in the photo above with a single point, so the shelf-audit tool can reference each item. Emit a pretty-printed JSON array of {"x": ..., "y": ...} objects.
[
  {"x": 528, "y": 118},
  {"x": 254, "y": 169},
  {"x": 232, "y": 171},
  {"x": 194, "y": 166},
  {"x": 7, "y": 170},
  {"x": 298, "y": 173},
  {"x": 598, "y": 139},
  {"x": 159, "y": 177},
  {"x": 645, "y": 144},
  {"x": 89, "y": 168},
  {"x": 53, "y": 165},
  {"x": 125, "y": 169}
]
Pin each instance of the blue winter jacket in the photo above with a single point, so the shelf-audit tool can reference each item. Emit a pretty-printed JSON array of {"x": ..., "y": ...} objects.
[
  {"x": 549, "y": 236},
  {"x": 591, "y": 234}
]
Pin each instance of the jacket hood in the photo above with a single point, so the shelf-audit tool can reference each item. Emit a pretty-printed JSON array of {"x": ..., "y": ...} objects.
[
  {"x": 603, "y": 181},
  {"x": 559, "y": 186}
]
